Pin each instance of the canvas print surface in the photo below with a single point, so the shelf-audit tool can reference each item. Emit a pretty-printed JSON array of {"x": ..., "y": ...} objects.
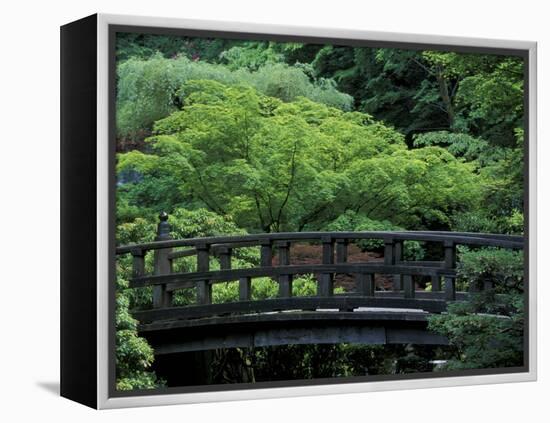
[{"x": 296, "y": 212}]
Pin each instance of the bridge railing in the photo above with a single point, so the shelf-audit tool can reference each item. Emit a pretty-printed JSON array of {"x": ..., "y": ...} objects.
[{"x": 334, "y": 261}]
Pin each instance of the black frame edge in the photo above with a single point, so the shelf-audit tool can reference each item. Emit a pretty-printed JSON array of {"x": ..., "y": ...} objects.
[{"x": 78, "y": 173}]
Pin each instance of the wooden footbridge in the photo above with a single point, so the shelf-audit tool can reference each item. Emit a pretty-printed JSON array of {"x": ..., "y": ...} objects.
[{"x": 368, "y": 315}]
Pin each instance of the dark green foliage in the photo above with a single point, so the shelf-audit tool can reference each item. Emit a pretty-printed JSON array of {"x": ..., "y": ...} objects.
[
  {"x": 486, "y": 331},
  {"x": 134, "y": 356},
  {"x": 232, "y": 136},
  {"x": 503, "y": 268},
  {"x": 144, "y": 46},
  {"x": 484, "y": 340}
]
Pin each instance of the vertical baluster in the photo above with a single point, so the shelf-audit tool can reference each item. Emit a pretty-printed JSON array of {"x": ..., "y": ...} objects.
[
  {"x": 325, "y": 287},
  {"x": 364, "y": 283},
  {"x": 266, "y": 253},
  {"x": 389, "y": 257},
  {"x": 408, "y": 286},
  {"x": 245, "y": 288},
  {"x": 398, "y": 257},
  {"x": 204, "y": 289},
  {"x": 162, "y": 264},
  {"x": 450, "y": 264},
  {"x": 341, "y": 250},
  {"x": 285, "y": 281},
  {"x": 436, "y": 283},
  {"x": 138, "y": 263},
  {"x": 224, "y": 254},
  {"x": 389, "y": 260}
]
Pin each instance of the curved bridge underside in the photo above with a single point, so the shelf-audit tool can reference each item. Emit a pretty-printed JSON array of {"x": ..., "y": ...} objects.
[{"x": 362, "y": 326}]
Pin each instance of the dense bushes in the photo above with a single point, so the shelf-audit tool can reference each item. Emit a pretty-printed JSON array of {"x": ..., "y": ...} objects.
[
  {"x": 234, "y": 137},
  {"x": 277, "y": 166},
  {"x": 148, "y": 90}
]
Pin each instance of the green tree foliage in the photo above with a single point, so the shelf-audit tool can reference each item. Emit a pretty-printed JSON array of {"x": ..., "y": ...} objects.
[
  {"x": 501, "y": 178},
  {"x": 148, "y": 90},
  {"x": 232, "y": 136},
  {"x": 143, "y": 46},
  {"x": 277, "y": 166},
  {"x": 134, "y": 356},
  {"x": 487, "y": 330},
  {"x": 423, "y": 91}
]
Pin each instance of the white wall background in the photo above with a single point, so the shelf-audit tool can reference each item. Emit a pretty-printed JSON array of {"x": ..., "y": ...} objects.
[{"x": 29, "y": 235}]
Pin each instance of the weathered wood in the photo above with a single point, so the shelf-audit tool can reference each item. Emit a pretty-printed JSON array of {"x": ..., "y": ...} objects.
[
  {"x": 450, "y": 254},
  {"x": 427, "y": 263},
  {"x": 224, "y": 254},
  {"x": 295, "y": 303},
  {"x": 364, "y": 283},
  {"x": 408, "y": 286},
  {"x": 389, "y": 257},
  {"x": 138, "y": 263},
  {"x": 266, "y": 253},
  {"x": 450, "y": 290},
  {"x": 285, "y": 281},
  {"x": 183, "y": 253},
  {"x": 450, "y": 263},
  {"x": 341, "y": 250},
  {"x": 436, "y": 283},
  {"x": 245, "y": 289},
  {"x": 325, "y": 285},
  {"x": 204, "y": 289},
  {"x": 361, "y": 333},
  {"x": 398, "y": 257},
  {"x": 489, "y": 240},
  {"x": 162, "y": 264},
  {"x": 185, "y": 280}
]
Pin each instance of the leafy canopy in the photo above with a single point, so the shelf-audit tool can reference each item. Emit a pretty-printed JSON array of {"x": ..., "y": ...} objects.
[{"x": 275, "y": 165}]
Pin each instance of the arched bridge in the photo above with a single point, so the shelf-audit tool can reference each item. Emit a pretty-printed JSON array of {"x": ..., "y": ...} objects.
[{"x": 367, "y": 315}]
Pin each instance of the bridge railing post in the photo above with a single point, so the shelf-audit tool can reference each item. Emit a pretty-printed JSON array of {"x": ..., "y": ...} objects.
[
  {"x": 408, "y": 286},
  {"x": 224, "y": 254},
  {"x": 450, "y": 264},
  {"x": 266, "y": 253},
  {"x": 162, "y": 264},
  {"x": 436, "y": 283},
  {"x": 364, "y": 283},
  {"x": 390, "y": 249},
  {"x": 138, "y": 263},
  {"x": 325, "y": 286},
  {"x": 204, "y": 289},
  {"x": 398, "y": 280},
  {"x": 285, "y": 281},
  {"x": 341, "y": 250}
]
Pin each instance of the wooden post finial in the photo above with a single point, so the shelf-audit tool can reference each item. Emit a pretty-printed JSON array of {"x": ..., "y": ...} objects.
[{"x": 163, "y": 228}]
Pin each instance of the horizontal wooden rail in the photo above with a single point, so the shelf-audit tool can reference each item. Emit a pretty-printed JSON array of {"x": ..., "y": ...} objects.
[
  {"x": 186, "y": 280},
  {"x": 296, "y": 303},
  {"x": 489, "y": 240},
  {"x": 333, "y": 260}
]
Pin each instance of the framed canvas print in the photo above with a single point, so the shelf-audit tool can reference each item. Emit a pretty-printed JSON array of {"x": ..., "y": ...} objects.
[{"x": 253, "y": 211}]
